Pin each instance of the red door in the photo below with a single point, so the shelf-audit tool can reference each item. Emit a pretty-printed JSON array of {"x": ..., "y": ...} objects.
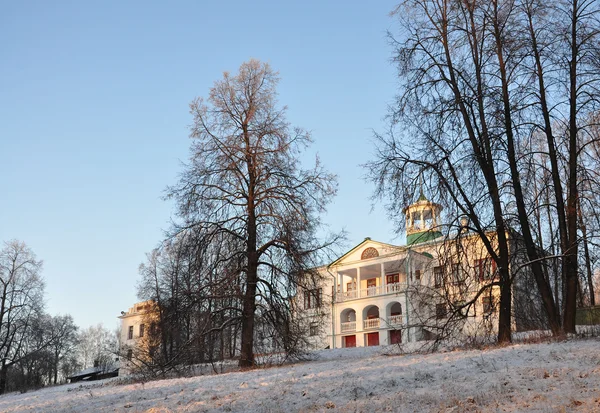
[
  {"x": 372, "y": 339},
  {"x": 350, "y": 341},
  {"x": 395, "y": 336}
]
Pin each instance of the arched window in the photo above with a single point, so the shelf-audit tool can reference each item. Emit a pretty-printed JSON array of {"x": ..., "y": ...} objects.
[{"x": 369, "y": 253}]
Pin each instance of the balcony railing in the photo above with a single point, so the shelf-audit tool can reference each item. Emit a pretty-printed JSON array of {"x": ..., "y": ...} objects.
[
  {"x": 349, "y": 326},
  {"x": 370, "y": 292},
  {"x": 395, "y": 320},
  {"x": 389, "y": 322},
  {"x": 347, "y": 295},
  {"x": 371, "y": 323}
]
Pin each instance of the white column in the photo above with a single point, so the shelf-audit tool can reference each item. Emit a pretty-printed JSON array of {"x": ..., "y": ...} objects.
[
  {"x": 383, "y": 287},
  {"x": 360, "y": 334},
  {"x": 358, "y": 282}
]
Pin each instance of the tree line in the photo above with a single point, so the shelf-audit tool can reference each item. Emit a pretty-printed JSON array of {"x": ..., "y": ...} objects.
[
  {"x": 38, "y": 349},
  {"x": 501, "y": 98}
]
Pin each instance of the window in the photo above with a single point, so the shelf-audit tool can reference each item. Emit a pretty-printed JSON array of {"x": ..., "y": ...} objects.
[
  {"x": 153, "y": 329},
  {"x": 130, "y": 333},
  {"x": 369, "y": 253},
  {"x": 129, "y": 354},
  {"x": 350, "y": 286},
  {"x": 440, "y": 311},
  {"x": 392, "y": 278},
  {"x": 438, "y": 276},
  {"x": 461, "y": 308},
  {"x": 457, "y": 278},
  {"x": 312, "y": 298},
  {"x": 417, "y": 275},
  {"x": 371, "y": 283},
  {"x": 314, "y": 329},
  {"x": 488, "y": 305},
  {"x": 485, "y": 269},
  {"x": 142, "y": 328}
]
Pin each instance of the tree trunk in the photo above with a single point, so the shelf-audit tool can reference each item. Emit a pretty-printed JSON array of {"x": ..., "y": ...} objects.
[
  {"x": 571, "y": 266},
  {"x": 538, "y": 273},
  {"x": 551, "y": 142},
  {"x": 249, "y": 298},
  {"x": 3, "y": 374},
  {"x": 55, "y": 370},
  {"x": 586, "y": 251},
  {"x": 484, "y": 158}
]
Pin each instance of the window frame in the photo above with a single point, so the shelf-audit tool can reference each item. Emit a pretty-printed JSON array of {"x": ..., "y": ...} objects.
[
  {"x": 441, "y": 311},
  {"x": 395, "y": 277},
  {"x": 485, "y": 269},
  {"x": 438, "y": 276},
  {"x": 488, "y": 305},
  {"x": 313, "y": 298},
  {"x": 313, "y": 329}
]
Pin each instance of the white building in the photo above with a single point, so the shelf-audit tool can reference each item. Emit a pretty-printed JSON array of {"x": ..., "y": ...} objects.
[
  {"x": 136, "y": 324},
  {"x": 378, "y": 294}
]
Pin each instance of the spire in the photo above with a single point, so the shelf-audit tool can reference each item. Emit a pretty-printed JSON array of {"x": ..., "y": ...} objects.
[{"x": 422, "y": 196}]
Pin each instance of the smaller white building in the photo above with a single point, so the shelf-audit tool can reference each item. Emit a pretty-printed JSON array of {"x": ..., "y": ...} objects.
[{"x": 136, "y": 324}]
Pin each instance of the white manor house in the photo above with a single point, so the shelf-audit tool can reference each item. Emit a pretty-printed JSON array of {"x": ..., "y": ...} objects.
[{"x": 368, "y": 296}]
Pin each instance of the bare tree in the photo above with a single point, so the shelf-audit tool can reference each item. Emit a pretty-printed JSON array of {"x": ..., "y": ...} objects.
[
  {"x": 21, "y": 300},
  {"x": 244, "y": 191},
  {"x": 96, "y": 345},
  {"x": 562, "y": 57},
  {"x": 448, "y": 99},
  {"x": 197, "y": 305},
  {"x": 482, "y": 82},
  {"x": 63, "y": 331}
]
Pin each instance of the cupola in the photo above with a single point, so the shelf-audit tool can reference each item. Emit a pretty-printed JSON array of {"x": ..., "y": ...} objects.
[{"x": 422, "y": 220}]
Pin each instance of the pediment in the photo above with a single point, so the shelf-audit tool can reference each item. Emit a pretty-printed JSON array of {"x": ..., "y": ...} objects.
[{"x": 367, "y": 250}]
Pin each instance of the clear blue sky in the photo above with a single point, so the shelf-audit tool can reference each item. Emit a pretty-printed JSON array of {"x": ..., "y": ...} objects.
[{"x": 94, "y": 121}]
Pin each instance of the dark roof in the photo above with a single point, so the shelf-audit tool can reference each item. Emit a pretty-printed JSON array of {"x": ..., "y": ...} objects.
[{"x": 94, "y": 371}]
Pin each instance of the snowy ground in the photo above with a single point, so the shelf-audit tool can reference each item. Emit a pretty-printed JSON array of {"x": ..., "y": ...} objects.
[{"x": 555, "y": 377}]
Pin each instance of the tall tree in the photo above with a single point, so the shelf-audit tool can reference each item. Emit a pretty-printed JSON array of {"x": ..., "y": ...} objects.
[
  {"x": 63, "y": 331},
  {"x": 21, "y": 300},
  {"x": 448, "y": 99},
  {"x": 481, "y": 83},
  {"x": 244, "y": 190},
  {"x": 561, "y": 56}
]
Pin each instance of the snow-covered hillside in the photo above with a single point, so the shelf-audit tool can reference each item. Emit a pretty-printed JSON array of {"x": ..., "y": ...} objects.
[{"x": 561, "y": 377}]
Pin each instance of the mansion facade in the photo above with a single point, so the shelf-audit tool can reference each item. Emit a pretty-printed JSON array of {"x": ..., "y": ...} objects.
[{"x": 380, "y": 294}]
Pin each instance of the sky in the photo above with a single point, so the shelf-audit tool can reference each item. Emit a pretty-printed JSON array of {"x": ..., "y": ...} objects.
[{"x": 94, "y": 122}]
